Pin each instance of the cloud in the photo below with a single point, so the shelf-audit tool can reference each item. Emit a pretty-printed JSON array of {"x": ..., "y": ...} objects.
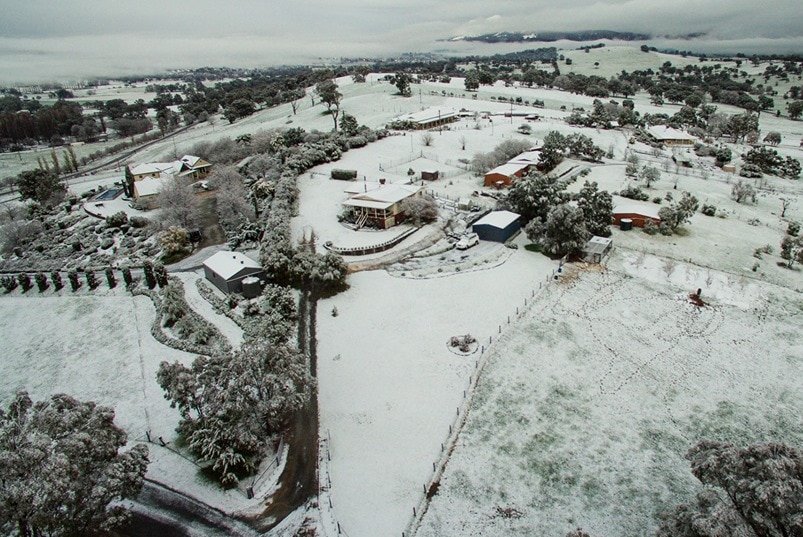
[{"x": 41, "y": 38}]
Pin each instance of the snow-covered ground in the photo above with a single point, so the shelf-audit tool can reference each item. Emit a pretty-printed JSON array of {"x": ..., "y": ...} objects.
[
  {"x": 591, "y": 397},
  {"x": 588, "y": 405},
  {"x": 389, "y": 386}
]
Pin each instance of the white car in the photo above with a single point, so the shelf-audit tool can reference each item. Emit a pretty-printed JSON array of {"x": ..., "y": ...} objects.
[{"x": 468, "y": 241}]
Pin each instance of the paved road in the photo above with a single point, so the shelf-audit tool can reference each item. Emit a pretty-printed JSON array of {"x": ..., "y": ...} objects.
[{"x": 163, "y": 512}]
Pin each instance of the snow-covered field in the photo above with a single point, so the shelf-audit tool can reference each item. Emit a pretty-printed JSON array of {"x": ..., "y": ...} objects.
[
  {"x": 588, "y": 404},
  {"x": 588, "y": 400}
]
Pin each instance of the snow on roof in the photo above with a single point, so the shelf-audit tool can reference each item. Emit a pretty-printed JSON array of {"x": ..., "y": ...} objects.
[
  {"x": 389, "y": 193},
  {"x": 498, "y": 219},
  {"x": 429, "y": 115},
  {"x": 149, "y": 186},
  {"x": 662, "y": 132},
  {"x": 528, "y": 157},
  {"x": 631, "y": 207},
  {"x": 362, "y": 187},
  {"x": 227, "y": 264},
  {"x": 152, "y": 168},
  {"x": 597, "y": 245},
  {"x": 509, "y": 168}
]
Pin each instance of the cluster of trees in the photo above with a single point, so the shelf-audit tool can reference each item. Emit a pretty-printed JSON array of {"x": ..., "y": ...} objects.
[
  {"x": 557, "y": 146},
  {"x": 767, "y": 160},
  {"x": 792, "y": 242},
  {"x": 61, "y": 468},
  {"x": 551, "y": 221},
  {"x": 231, "y": 405}
]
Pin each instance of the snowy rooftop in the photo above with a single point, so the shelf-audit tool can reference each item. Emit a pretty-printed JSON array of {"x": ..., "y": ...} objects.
[
  {"x": 388, "y": 194},
  {"x": 498, "y": 219},
  {"x": 362, "y": 187},
  {"x": 149, "y": 186},
  {"x": 152, "y": 168},
  {"x": 631, "y": 207},
  {"x": 528, "y": 157},
  {"x": 430, "y": 114},
  {"x": 509, "y": 168},
  {"x": 662, "y": 132},
  {"x": 227, "y": 264}
]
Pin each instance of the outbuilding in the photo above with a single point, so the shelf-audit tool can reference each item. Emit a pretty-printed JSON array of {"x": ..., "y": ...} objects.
[
  {"x": 637, "y": 213},
  {"x": 596, "y": 248},
  {"x": 497, "y": 226},
  {"x": 227, "y": 270}
]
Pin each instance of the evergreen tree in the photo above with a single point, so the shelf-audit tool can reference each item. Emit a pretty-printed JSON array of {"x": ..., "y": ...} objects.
[
  {"x": 535, "y": 197},
  {"x": 762, "y": 486},
  {"x": 61, "y": 470},
  {"x": 563, "y": 232},
  {"x": 597, "y": 209}
]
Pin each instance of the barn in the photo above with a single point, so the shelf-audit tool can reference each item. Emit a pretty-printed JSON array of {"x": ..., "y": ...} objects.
[
  {"x": 227, "y": 270},
  {"x": 504, "y": 174},
  {"x": 497, "y": 226},
  {"x": 638, "y": 213}
]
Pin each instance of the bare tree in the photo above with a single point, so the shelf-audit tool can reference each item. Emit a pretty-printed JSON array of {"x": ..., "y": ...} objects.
[
  {"x": 462, "y": 141},
  {"x": 427, "y": 139},
  {"x": 179, "y": 207}
]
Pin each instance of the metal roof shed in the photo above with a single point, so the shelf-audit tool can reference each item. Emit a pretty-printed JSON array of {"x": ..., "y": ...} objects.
[
  {"x": 497, "y": 226},
  {"x": 227, "y": 270}
]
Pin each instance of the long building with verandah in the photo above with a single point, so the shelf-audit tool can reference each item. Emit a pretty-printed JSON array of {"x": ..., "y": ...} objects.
[
  {"x": 669, "y": 136},
  {"x": 430, "y": 118}
]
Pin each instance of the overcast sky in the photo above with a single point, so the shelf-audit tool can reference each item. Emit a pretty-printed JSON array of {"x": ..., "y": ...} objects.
[{"x": 72, "y": 39}]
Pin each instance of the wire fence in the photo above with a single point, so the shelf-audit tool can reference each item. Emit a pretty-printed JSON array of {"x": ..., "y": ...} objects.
[
  {"x": 429, "y": 489},
  {"x": 327, "y": 505},
  {"x": 329, "y": 522}
]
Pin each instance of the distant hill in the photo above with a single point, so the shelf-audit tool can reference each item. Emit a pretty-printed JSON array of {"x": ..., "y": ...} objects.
[{"x": 520, "y": 37}]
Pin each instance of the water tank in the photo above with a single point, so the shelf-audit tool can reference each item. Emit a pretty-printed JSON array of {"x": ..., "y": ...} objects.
[
  {"x": 251, "y": 287},
  {"x": 626, "y": 224}
]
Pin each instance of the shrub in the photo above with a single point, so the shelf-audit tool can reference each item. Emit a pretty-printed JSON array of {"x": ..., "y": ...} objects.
[
  {"x": 127, "y": 278},
  {"x": 150, "y": 279},
  {"x": 634, "y": 193},
  {"x": 92, "y": 280},
  {"x": 751, "y": 171},
  {"x": 650, "y": 228},
  {"x": 110, "y": 279},
  {"x": 75, "y": 284},
  {"x": 9, "y": 283},
  {"x": 117, "y": 219},
  {"x": 41, "y": 281},
  {"x": 138, "y": 221},
  {"x": 758, "y": 252},
  {"x": 55, "y": 276},
  {"x": 344, "y": 175},
  {"x": 24, "y": 281},
  {"x": 793, "y": 228},
  {"x": 708, "y": 210},
  {"x": 657, "y": 200}
]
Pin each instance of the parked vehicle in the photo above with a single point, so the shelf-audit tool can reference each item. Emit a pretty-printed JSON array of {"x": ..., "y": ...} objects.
[{"x": 468, "y": 241}]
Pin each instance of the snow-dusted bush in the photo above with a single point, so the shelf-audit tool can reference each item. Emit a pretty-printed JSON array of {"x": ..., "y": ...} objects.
[
  {"x": 72, "y": 276},
  {"x": 174, "y": 240},
  {"x": 9, "y": 283},
  {"x": 743, "y": 192},
  {"x": 117, "y": 219},
  {"x": 25, "y": 282},
  {"x": 41, "y": 281},
  {"x": 634, "y": 193},
  {"x": 419, "y": 210},
  {"x": 55, "y": 277},
  {"x": 708, "y": 210}
]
